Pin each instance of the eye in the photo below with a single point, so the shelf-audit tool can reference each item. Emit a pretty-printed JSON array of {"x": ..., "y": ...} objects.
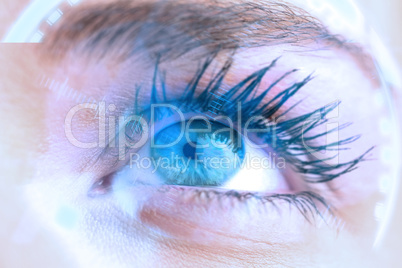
[
  {"x": 190, "y": 155},
  {"x": 204, "y": 153},
  {"x": 238, "y": 153}
]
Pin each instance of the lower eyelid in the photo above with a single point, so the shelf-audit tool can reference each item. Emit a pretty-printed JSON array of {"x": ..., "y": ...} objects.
[{"x": 205, "y": 216}]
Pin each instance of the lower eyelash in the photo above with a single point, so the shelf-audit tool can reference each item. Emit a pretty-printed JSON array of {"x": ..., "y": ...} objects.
[
  {"x": 312, "y": 206},
  {"x": 309, "y": 204}
]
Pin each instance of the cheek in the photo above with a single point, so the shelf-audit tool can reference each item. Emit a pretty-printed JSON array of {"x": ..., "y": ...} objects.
[
  {"x": 23, "y": 133},
  {"x": 172, "y": 228}
]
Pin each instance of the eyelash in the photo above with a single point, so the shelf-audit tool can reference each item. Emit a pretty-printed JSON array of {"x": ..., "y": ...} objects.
[
  {"x": 307, "y": 203},
  {"x": 289, "y": 132}
]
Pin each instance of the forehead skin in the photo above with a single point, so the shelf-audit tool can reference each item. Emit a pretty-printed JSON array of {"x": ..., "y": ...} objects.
[{"x": 34, "y": 100}]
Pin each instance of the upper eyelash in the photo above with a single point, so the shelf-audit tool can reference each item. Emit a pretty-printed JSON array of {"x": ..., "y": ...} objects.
[{"x": 290, "y": 134}]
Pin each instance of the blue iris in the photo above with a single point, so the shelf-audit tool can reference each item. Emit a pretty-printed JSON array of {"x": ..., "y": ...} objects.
[{"x": 197, "y": 155}]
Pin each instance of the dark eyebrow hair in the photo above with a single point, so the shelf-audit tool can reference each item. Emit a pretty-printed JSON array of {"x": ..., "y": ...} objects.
[{"x": 170, "y": 29}]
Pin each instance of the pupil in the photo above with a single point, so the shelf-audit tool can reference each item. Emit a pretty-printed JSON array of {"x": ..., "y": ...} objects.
[{"x": 189, "y": 150}]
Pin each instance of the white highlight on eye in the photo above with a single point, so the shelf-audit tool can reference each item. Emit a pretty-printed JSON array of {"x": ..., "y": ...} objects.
[
  {"x": 260, "y": 173},
  {"x": 54, "y": 17},
  {"x": 255, "y": 180}
]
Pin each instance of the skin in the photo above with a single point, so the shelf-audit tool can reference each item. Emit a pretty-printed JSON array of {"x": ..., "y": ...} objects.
[{"x": 167, "y": 230}]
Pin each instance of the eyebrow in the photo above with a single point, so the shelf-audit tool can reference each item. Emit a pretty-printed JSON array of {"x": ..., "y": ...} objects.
[{"x": 170, "y": 29}]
